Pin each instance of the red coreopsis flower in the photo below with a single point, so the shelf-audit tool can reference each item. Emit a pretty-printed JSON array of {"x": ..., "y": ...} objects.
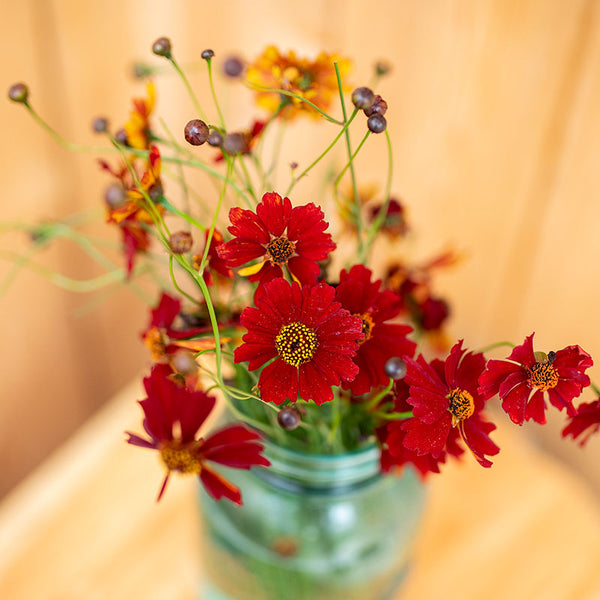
[
  {"x": 173, "y": 416},
  {"x": 585, "y": 423},
  {"x": 381, "y": 340},
  {"x": 394, "y": 454},
  {"x": 278, "y": 236},
  {"x": 163, "y": 340},
  {"x": 524, "y": 380},
  {"x": 310, "y": 336},
  {"x": 444, "y": 395}
]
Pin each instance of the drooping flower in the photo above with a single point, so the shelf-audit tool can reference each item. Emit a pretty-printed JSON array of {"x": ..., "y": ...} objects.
[
  {"x": 278, "y": 236},
  {"x": 394, "y": 454},
  {"x": 311, "y": 338},
  {"x": 173, "y": 415},
  {"x": 132, "y": 214},
  {"x": 164, "y": 340},
  {"x": 526, "y": 378},
  {"x": 585, "y": 423},
  {"x": 394, "y": 223},
  {"x": 137, "y": 128},
  {"x": 314, "y": 80},
  {"x": 444, "y": 395},
  {"x": 382, "y": 340}
]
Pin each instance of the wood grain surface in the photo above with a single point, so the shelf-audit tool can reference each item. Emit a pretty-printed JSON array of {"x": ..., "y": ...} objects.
[{"x": 495, "y": 121}]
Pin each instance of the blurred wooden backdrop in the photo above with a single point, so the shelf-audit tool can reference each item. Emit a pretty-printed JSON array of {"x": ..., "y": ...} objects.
[{"x": 495, "y": 120}]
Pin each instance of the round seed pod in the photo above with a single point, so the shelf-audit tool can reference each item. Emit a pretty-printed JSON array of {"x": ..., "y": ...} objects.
[
  {"x": 215, "y": 138},
  {"x": 376, "y": 123},
  {"x": 180, "y": 242},
  {"x": 196, "y": 132},
  {"x": 289, "y": 417},
  {"x": 233, "y": 66},
  {"x": 207, "y": 54},
  {"x": 395, "y": 368},
  {"x": 379, "y": 106},
  {"x": 100, "y": 125},
  {"x": 162, "y": 47},
  {"x": 234, "y": 143},
  {"x": 18, "y": 92},
  {"x": 362, "y": 97}
]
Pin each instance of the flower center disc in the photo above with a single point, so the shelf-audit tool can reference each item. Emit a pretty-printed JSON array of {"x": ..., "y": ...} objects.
[
  {"x": 367, "y": 326},
  {"x": 280, "y": 250},
  {"x": 296, "y": 344},
  {"x": 461, "y": 405},
  {"x": 180, "y": 459},
  {"x": 543, "y": 376}
]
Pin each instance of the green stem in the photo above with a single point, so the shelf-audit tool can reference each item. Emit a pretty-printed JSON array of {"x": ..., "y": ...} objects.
[
  {"x": 214, "y": 95},
  {"x": 496, "y": 345},
  {"x": 260, "y": 88},
  {"x": 394, "y": 416},
  {"x": 342, "y": 131},
  {"x": 189, "y": 89}
]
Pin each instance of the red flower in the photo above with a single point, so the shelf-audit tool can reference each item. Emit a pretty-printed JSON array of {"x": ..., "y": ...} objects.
[
  {"x": 587, "y": 418},
  {"x": 522, "y": 380},
  {"x": 395, "y": 454},
  {"x": 359, "y": 295},
  {"x": 310, "y": 336},
  {"x": 278, "y": 235},
  {"x": 443, "y": 396},
  {"x": 163, "y": 340},
  {"x": 172, "y": 417}
]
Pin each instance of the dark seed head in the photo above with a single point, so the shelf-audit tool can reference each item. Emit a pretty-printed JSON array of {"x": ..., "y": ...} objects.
[
  {"x": 376, "y": 123},
  {"x": 362, "y": 97},
  {"x": 379, "y": 106},
  {"x": 162, "y": 47},
  {"x": 233, "y": 66},
  {"x": 114, "y": 195},
  {"x": 207, "y": 54},
  {"x": 18, "y": 92},
  {"x": 289, "y": 417},
  {"x": 215, "y": 138},
  {"x": 196, "y": 132},
  {"x": 121, "y": 137},
  {"x": 395, "y": 368},
  {"x": 234, "y": 143},
  {"x": 100, "y": 125},
  {"x": 180, "y": 242}
]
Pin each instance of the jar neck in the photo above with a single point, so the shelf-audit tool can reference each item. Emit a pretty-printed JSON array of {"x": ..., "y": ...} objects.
[{"x": 330, "y": 473}]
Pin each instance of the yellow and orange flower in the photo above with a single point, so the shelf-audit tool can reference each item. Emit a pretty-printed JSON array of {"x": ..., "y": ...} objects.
[
  {"x": 137, "y": 127},
  {"x": 313, "y": 80}
]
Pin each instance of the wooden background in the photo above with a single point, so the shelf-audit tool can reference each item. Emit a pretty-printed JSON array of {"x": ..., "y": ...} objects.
[{"x": 495, "y": 121}]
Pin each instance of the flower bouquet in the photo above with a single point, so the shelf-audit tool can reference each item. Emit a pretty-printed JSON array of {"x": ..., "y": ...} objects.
[{"x": 342, "y": 389}]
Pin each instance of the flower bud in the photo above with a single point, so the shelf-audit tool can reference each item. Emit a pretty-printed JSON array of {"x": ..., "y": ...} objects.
[
  {"x": 234, "y": 143},
  {"x": 289, "y": 418},
  {"x": 18, "y": 92},
  {"x": 100, "y": 125},
  {"x": 196, "y": 132},
  {"x": 233, "y": 67},
  {"x": 121, "y": 137},
  {"x": 376, "y": 123},
  {"x": 362, "y": 97},
  {"x": 395, "y": 368},
  {"x": 207, "y": 54},
  {"x": 215, "y": 138},
  {"x": 114, "y": 195},
  {"x": 183, "y": 362},
  {"x": 379, "y": 106},
  {"x": 162, "y": 47},
  {"x": 382, "y": 68},
  {"x": 180, "y": 242}
]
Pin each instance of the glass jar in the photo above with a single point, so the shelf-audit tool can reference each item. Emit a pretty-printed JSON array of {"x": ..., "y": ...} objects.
[{"x": 312, "y": 527}]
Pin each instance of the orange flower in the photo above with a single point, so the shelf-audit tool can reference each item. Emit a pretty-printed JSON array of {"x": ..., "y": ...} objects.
[
  {"x": 315, "y": 81},
  {"x": 138, "y": 126}
]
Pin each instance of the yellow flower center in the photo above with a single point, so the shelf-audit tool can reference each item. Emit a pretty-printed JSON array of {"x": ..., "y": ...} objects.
[
  {"x": 543, "y": 376},
  {"x": 296, "y": 343},
  {"x": 461, "y": 405},
  {"x": 280, "y": 250},
  {"x": 367, "y": 326},
  {"x": 181, "y": 459},
  {"x": 155, "y": 342}
]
